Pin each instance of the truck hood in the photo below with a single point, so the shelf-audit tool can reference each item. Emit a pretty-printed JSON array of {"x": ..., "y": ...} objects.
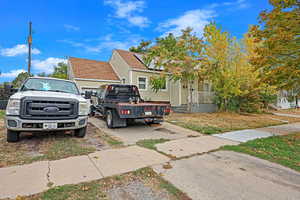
[{"x": 20, "y": 95}]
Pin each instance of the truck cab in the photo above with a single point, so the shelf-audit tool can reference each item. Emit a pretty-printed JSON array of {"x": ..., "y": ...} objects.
[{"x": 46, "y": 104}]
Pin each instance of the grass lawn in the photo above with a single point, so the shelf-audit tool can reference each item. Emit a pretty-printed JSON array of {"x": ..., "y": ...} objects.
[
  {"x": 150, "y": 143},
  {"x": 2, "y": 113},
  {"x": 211, "y": 123},
  {"x": 100, "y": 189},
  {"x": 52, "y": 146},
  {"x": 284, "y": 150}
]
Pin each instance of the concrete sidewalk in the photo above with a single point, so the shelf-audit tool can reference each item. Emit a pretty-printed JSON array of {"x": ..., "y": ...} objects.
[
  {"x": 252, "y": 134},
  {"x": 287, "y": 115},
  {"x": 203, "y": 144},
  {"x": 36, "y": 177}
]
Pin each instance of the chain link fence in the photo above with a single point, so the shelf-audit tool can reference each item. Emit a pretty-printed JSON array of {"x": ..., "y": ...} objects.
[{"x": 5, "y": 92}]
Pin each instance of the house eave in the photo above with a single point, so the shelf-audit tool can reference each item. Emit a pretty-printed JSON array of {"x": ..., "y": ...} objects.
[
  {"x": 149, "y": 71},
  {"x": 96, "y": 80}
]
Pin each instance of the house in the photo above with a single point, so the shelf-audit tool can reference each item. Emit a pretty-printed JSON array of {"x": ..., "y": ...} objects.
[{"x": 128, "y": 68}]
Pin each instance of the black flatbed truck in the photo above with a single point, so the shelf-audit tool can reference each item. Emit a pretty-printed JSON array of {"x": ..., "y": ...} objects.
[{"x": 121, "y": 104}]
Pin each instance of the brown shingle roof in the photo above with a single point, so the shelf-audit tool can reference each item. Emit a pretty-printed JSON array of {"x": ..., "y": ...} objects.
[
  {"x": 130, "y": 59},
  {"x": 92, "y": 69}
]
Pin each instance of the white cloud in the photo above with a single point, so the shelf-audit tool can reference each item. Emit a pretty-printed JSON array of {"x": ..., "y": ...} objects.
[
  {"x": 12, "y": 74},
  {"x": 233, "y": 5},
  {"x": 128, "y": 10},
  {"x": 72, "y": 43},
  {"x": 46, "y": 65},
  {"x": 19, "y": 49},
  {"x": 109, "y": 45},
  {"x": 71, "y": 27},
  {"x": 199, "y": 18},
  {"x": 106, "y": 42},
  {"x": 196, "y": 19}
]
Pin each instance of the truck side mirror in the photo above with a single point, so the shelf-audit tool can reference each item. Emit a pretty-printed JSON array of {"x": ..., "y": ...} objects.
[{"x": 14, "y": 90}]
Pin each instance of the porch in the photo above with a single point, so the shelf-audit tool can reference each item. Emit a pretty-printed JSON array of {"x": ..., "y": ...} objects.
[{"x": 202, "y": 101}]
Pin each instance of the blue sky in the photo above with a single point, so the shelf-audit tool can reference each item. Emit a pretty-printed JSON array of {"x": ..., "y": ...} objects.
[{"x": 93, "y": 28}]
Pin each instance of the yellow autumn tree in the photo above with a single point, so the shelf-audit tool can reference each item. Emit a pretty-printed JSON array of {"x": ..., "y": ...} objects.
[{"x": 236, "y": 84}]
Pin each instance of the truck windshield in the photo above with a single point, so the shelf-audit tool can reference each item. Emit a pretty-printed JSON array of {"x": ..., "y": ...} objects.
[{"x": 51, "y": 85}]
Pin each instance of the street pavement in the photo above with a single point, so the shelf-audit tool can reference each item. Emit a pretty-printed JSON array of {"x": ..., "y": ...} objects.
[{"x": 226, "y": 175}]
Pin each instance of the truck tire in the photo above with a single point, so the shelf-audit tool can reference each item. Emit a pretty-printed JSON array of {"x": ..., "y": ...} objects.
[
  {"x": 80, "y": 132},
  {"x": 13, "y": 136},
  {"x": 109, "y": 118},
  {"x": 113, "y": 120}
]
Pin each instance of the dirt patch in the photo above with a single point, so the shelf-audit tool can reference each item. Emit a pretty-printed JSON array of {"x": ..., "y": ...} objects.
[
  {"x": 49, "y": 146},
  {"x": 136, "y": 190},
  {"x": 141, "y": 184}
]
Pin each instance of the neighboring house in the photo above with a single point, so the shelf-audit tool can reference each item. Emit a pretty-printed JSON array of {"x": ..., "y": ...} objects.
[
  {"x": 90, "y": 74},
  {"x": 128, "y": 68},
  {"x": 284, "y": 100}
]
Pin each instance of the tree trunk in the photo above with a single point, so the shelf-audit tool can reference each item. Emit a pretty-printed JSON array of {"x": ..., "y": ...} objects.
[{"x": 190, "y": 97}]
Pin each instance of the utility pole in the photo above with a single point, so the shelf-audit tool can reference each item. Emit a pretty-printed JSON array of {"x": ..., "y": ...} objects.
[{"x": 29, "y": 47}]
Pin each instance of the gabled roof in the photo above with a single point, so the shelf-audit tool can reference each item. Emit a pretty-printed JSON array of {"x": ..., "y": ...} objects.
[
  {"x": 131, "y": 59},
  {"x": 92, "y": 69}
]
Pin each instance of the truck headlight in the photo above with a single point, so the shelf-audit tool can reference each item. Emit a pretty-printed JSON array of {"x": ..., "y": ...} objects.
[
  {"x": 84, "y": 108},
  {"x": 13, "y": 107}
]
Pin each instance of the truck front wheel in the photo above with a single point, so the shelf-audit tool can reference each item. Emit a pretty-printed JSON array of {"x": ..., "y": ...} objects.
[
  {"x": 80, "y": 132},
  {"x": 13, "y": 136}
]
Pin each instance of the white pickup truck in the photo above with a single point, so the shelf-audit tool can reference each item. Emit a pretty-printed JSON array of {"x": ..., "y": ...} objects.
[{"x": 46, "y": 104}]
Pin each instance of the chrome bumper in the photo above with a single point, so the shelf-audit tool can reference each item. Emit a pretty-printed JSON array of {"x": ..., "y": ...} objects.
[{"x": 17, "y": 124}]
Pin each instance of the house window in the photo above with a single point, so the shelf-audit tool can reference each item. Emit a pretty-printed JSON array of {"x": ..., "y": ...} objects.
[
  {"x": 206, "y": 87},
  {"x": 142, "y": 83},
  {"x": 164, "y": 86}
]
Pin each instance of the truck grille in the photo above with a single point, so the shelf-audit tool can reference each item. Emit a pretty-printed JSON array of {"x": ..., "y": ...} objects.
[{"x": 48, "y": 108}]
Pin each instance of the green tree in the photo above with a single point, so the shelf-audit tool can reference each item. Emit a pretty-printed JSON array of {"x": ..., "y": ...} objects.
[
  {"x": 143, "y": 47},
  {"x": 180, "y": 57},
  {"x": 43, "y": 74},
  {"x": 60, "y": 71},
  {"x": 278, "y": 52},
  {"x": 17, "y": 82}
]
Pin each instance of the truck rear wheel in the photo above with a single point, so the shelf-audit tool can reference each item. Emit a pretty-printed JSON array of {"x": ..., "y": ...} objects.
[
  {"x": 13, "y": 136},
  {"x": 109, "y": 118},
  {"x": 113, "y": 120},
  {"x": 80, "y": 132}
]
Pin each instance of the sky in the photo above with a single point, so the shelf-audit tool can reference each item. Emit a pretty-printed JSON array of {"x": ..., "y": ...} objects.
[{"x": 93, "y": 28}]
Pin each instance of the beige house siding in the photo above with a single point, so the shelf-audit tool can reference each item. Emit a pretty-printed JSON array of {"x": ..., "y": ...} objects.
[
  {"x": 175, "y": 93},
  {"x": 70, "y": 71},
  {"x": 90, "y": 84},
  {"x": 148, "y": 94},
  {"x": 120, "y": 67},
  {"x": 184, "y": 92}
]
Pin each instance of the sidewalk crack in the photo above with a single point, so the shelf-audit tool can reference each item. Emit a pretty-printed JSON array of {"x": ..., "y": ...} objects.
[
  {"x": 95, "y": 166},
  {"x": 49, "y": 183}
]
